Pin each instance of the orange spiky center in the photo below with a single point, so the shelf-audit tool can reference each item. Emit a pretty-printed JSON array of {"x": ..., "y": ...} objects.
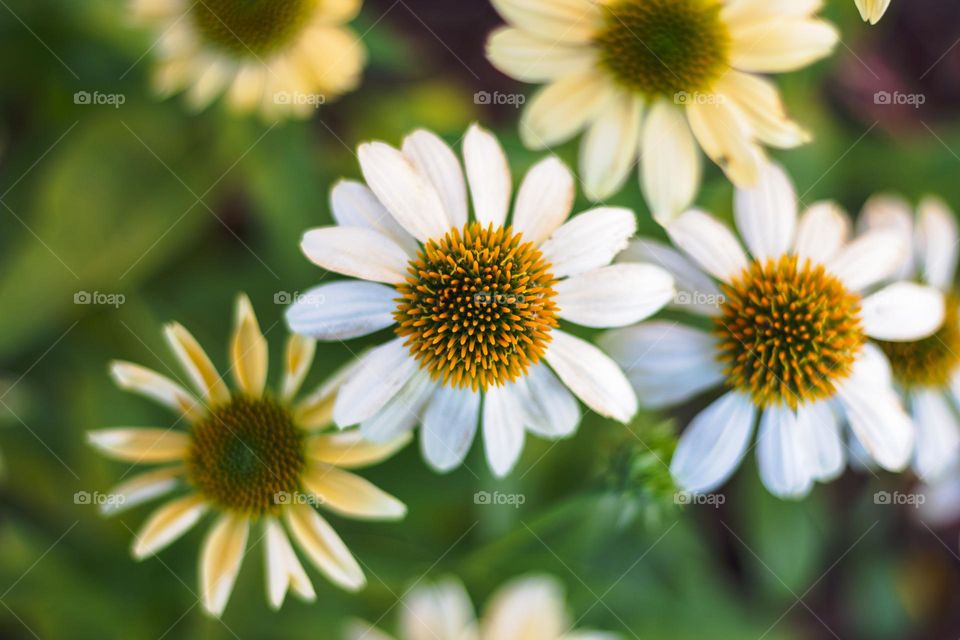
[
  {"x": 933, "y": 361},
  {"x": 477, "y": 306},
  {"x": 788, "y": 332}
]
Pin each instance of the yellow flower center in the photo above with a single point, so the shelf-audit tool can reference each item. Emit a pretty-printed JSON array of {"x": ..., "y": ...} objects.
[
  {"x": 788, "y": 332},
  {"x": 477, "y": 307},
  {"x": 246, "y": 453},
  {"x": 930, "y": 362},
  {"x": 251, "y": 27},
  {"x": 666, "y": 48}
]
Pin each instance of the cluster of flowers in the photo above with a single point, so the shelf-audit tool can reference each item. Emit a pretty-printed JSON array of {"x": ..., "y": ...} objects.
[{"x": 814, "y": 332}]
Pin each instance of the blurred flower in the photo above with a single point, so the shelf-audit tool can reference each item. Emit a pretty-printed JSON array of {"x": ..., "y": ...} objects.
[
  {"x": 526, "y": 607},
  {"x": 475, "y": 304},
  {"x": 656, "y": 78},
  {"x": 279, "y": 58},
  {"x": 250, "y": 457},
  {"x": 927, "y": 371},
  {"x": 789, "y": 340},
  {"x": 872, "y": 10}
]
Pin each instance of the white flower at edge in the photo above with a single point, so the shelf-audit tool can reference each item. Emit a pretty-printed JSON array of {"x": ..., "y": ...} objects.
[
  {"x": 525, "y": 608},
  {"x": 277, "y": 58},
  {"x": 789, "y": 340},
  {"x": 927, "y": 372},
  {"x": 251, "y": 458},
  {"x": 474, "y": 301},
  {"x": 872, "y": 10},
  {"x": 659, "y": 80}
]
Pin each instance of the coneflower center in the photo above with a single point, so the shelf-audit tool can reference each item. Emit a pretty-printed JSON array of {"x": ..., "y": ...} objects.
[
  {"x": 245, "y": 454},
  {"x": 788, "y": 332},
  {"x": 477, "y": 307},
  {"x": 671, "y": 48},
  {"x": 251, "y": 27},
  {"x": 930, "y": 362}
]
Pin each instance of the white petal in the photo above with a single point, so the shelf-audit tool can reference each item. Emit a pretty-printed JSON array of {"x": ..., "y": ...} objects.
[
  {"x": 670, "y": 163},
  {"x": 614, "y": 296},
  {"x": 589, "y": 240},
  {"x": 356, "y": 252},
  {"x": 711, "y": 448},
  {"x": 696, "y": 291},
  {"x": 438, "y": 612},
  {"x": 343, "y": 310},
  {"x": 530, "y": 607},
  {"x": 937, "y": 243},
  {"x": 166, "y": 524},
  {"x": 406, "y": 192},
  {"x": 248, "y": 350},
  {"x": 436, "y": 160},
  {"x": 137, "y": 444},
  {"x": 710, "y": 244},
  {"x": 489, "y": 176},
  {"x": 449, "y": 426},
  {"x": 610, "y": 146},
  {"x": 558, "y": 20},
  {"x": 782, "y": 454},
  {"x": 157, "y": 387},
  {"x": 592, "y": 376},
  {"x": 903, "y": 312},
  {"x": 220, "y": 560},
  {"x": 349, "y": 450},
  {"x": 324, "y": 547},
  {"x": 350, "y": 495},
  {"x": 827, "y": 452},
  {"x": 872, "y": 257},
  {"x": 354, "y": 205},
  {"x": 402, "y": 412},
  {"x": 893, "y": 213},
  {"x": 822, "y": 232},
  {"x": 196, "y": 363},
  {"x": 283, "y": 566},
  {"x": 767, "y": 213},
  {"x": 141, "y": 488},
  {"x": 561, "y": 109},
  {"x": 502, "y": 428},
  {"x": 544, "y": 200},
  {"x": 667, "y": 363},
  {"x": 938, "y": 434},
  {"x": 379, "y": 376},
  {"x": 359, "y": 630},
  {"x": 527, "y": 58},
  {"x": 549, "y": 408}
]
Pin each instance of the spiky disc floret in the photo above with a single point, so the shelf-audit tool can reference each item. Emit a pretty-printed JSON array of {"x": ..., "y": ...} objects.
[
  {"x": 251, "y": 27},
  {"x": 788, "y": 332},
  {"x": 664, "y": 47},
  {"x": 477, "y": 307},
  {"x": 245, "y": 453},
  {"x": 930, "y": 362}
]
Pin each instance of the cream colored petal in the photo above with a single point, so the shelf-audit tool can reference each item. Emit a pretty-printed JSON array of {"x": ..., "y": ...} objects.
[
  {"x": 350, "y": 450},
  {"x": 148, "y": 11},
  {"x": 338, "y": 11},
  {"x": 759, "y": 101},
  {"x": 197, "y": 364},
  {"x": 726, "y": 138},
  {"x": 780, "y": 45},
  {"x": 166, "y": 524},
  {"x": 210, "y": 84},
  {"x": 220, "y": 561},
  {"x": 872, "y": 10},
  {"x": 136, "y": 444},
  {"x": 544, "y": 200},
  {"x": 331, "y": 61},
  {"x": 283, "y": 567},
  {"x": 670, "y": 164},
  {"x": 558, "y": 111},
  {"x": 324, "y": 547},
  {"x": 746, "y": 12},
  {"x": 527, "y": 58},
  {"x": 574, "y": 21},
  {"x": 350, "y": 495},
  {"x": 157, "y": 387},
  {"x": 246, "y": 90},
  {"x": 488, "y": 174},
  {"x": 248, "y": 350},
  {"x": 141, "y": 488},
  {"x": 297, "y": 358},
  {"x": 527, "y": 608},
  {"x": 610, "y": 146}
]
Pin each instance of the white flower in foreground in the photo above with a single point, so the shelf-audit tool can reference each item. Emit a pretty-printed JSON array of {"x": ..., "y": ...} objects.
[
  {"x": 278, "y": 58},
  {"x": 789, "y": 340},
  {"x": 927, "y": 371},
  {"x": 526, "y": 608},
  {"x": 253, "y": 459},
  {"x": 474, "y": 301},
  {"x": 658, "y": 80},
  {"x": 872, "y": 10}
]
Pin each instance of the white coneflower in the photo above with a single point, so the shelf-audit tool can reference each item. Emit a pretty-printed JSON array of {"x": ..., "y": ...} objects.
[
  {"x": 872, "y": 10},
  {"x": 527, "y": 608},
  {"x": 252, "y": 458},
  {"x": 656, "y": 79},
  {"x": 279, "y": 58},
  {"x": 474, "y": 300},
  {"x": 789, "y": 340}
]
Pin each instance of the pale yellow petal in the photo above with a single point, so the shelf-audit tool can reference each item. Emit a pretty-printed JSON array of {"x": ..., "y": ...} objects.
[
  {"x": 350, "y": 495},
  {"x": 349, "y": 450},
  {"x": 197, "y": 364},
  {"x": 157, "y": 387},
  {"x": 248, "y": 350},
  {"x": 136, "y": 444},
  {"x": 168, "y": 523},
  {"x": 220, "y": 560}
]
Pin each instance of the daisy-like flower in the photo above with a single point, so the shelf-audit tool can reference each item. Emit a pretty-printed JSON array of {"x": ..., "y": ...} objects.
[
  {"x": 253, "y": 458},
  {"x": 474, "y": 301},
  {"x": 278, "y": 58},
  {"x": 927, "y": 372},
  {"x": 789, "y": 340},
  {"x": 526, "y": 608},
  {"x": 872, "y": 10},
  {"x": 656, "y": 79}
]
